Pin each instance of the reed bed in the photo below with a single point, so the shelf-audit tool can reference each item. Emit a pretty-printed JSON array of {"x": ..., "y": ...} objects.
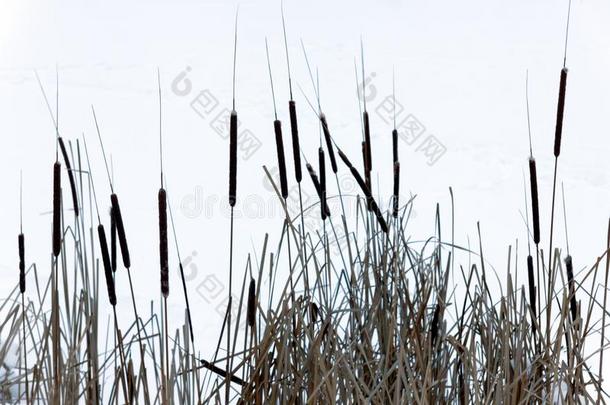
[{"x": 386, "y": 320}]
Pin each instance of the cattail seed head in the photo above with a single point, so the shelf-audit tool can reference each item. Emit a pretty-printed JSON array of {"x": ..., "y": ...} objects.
[
  {"x": 560, "y": 106},
  {"x": 281, "y": 160},
  {"x": 21, "y": 243},
  {"x": 113, "y": 235},
  {"x": 251, "y": 310},
  {"x": 106, "y": 262},
  {"x": 395, "y": 145},
  {"x": 233, "y": 159},
  {"x": 314, "y": 311},
  {"x": 329, "y": 144},
  {"x": 531, "y": 282},
  {"x": 296, "y": 149},
  {"x": 322, "y": 168},
  {"x": 64, "y": 153},
  {"x": 534, "y": 195},
  {"x": 367, "y": 141},
  {"x": 116, "y": 209},
  {"x": 56, "y": 209},
  {"x": 163, "y": 252},
  {"x": 316, "y": 184},
  {"x": 344, "y": 158},
  {"x": 570, "y": 274},
  {"x": 370, "y": 200},
  {"x": 395, "y": 200}
]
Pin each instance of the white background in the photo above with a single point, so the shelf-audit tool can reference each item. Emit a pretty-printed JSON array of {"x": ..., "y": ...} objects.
[{"x": 460, "y": 69}]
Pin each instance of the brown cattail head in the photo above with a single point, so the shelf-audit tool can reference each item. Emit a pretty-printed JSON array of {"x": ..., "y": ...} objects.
[
  {"x": 570, "y": 274},
  {"x": 233, "y": 159},
  {"x": 316, "y": 184},
  {"x": 112, "y": 240},
  {"x": 296, "y": 149},
  {"x": 395, "y": 145},
  {"x": 64, "y": 153},
  {"x": 251, "y": 310},
  {"x": 560, "y": 106},
  {"x": 370, "y": 200},
  {"x": 281, "y": 160},
  {"x": 56, "y": 209},
  {"x": 531, "y": 282},
  {"x": 21, "y": 242},
  {"x": 329, "y": 144},
  {"x": 163, "y": 256},
  {"x": 120, "y": 228},
  {"x": 367, "y": 173},
  {"x": 534, "y": 195},
  {"x": 367, "y": 141},
  {"x": 322, "y": 168},
  {"x": 344, "y": 158},
  {"x": 106, "y": 262},
  {"x": 396, "y": 189}
]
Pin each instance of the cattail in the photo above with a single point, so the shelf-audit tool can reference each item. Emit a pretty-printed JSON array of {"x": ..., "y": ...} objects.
[
  {"x": 534, "y": 192},
  {"x": 322, "y": 168},
  {"x": 560, "y": 106},
  {"x": 329, "y": 144},
  {"x": 281, "y": 160},
  {"x": 316, "y": 184},
  {"x": 233, "y": 159},
  {"x": 531, "y": 282},
  {"x": 367, "y": 142},
  {"x": 296, "y": 150},
  {"x": 395, "y": 145},
  {"x": 344, "y": 158},
  {"x": 106, "y": 261},
  {"x": 367, "y": 173},
  {"x": 21, "y": 241},
  {"x": 163, "y": 242},
  {"x": 113, "y": 240},
  {"x": 70, "y": 175},
  {"x": 370, "y": 200},
  {"x": 396, "y": 188},
  {"x": 570, "y": 273},
  {"x": 251, "y": 310},
  {"x": 434, "y": 327},
  {"x": 116, "y": 209},
  {"x": 56, "y": 209}
]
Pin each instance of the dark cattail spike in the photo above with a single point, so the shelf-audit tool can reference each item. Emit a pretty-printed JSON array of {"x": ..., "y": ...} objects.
[
  {"x": 395, "y": 145},
  {"x": 531, "y": 282},
  {"x": 106, "y": 262},
  {"x": 64, "y": 153},
  {"x": 163, "y": 252},
  {"x": 322, "y": 168},
  {"x": 370, "y": 200},
  {"x": 344, "y": 158},
  {"x": 329, "y": 144},
  {"x": 367, "y": 141},
  {"x": 572, "y": 290},
  {"x": 281, "y": 160},
  {"x": 233, "y": 159},
  {"x": 534, "y": 197},
  {"x": 316, "y": 184},
  {"x": 113, "y": 237},
  {"x": 120, "y": 227},
  {"x": 21, "y": 243},
  {"x": 395, "y": 200},
  {"x": 560, "y": 107},
  {"x": 56, "y": 209},
  {"x": 251, "y": 309},
  {"x": 295, "y": 141}
]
